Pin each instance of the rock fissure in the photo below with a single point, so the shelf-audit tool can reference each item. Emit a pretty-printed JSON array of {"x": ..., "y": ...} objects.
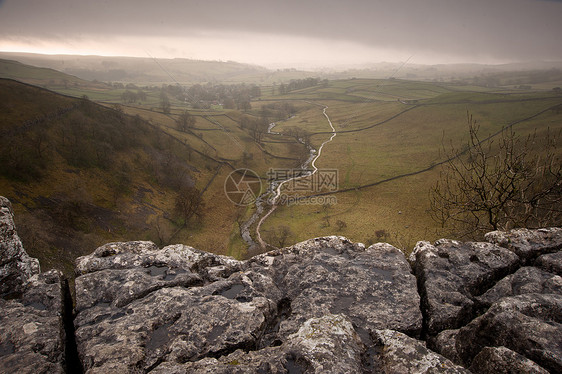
[
  {"x": 423, "y": 308},
  {"x": 270, "y": 334},
  {"x": 72, "y": 361}
]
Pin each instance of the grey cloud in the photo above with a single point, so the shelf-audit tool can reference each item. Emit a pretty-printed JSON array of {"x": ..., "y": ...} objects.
[{"x": 506, "y": 28}]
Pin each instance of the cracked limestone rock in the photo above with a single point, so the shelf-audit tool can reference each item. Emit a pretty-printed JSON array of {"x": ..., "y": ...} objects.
[
  {"x": 321, "y": 345},
  {"x": 501, "y": 360},
  {"x": 451, "y": 273},
  {"x": 373, "y": 286},
  {"x": 527, "y": 279},
  {"x": 139, "y": 306}
]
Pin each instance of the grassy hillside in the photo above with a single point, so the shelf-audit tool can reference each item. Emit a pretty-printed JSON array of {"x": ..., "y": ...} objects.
[
  {"x": 80, "y": 174},
  {"x": 42, "y": 76},
  {"x": 142, "y": 70}
]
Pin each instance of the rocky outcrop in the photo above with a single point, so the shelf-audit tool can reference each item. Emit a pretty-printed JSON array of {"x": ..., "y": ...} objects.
[
  {"x": 16, "y": 267},
  {"x": 33, "y": 312},
  {"x": 176, "y": 305},
  {"x": 325, "y": 305}
]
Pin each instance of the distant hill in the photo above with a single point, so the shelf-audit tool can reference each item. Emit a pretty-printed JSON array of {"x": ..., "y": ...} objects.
[
  {"x": 155, "y": 71},
  {"x": 80, "y": 174},
  {"x": 44, "y": 77},
  {"x": 141, "y": 70}
]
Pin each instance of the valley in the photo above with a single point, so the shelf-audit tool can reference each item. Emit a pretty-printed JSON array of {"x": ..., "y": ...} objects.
[{"x": 93, "y": 166}]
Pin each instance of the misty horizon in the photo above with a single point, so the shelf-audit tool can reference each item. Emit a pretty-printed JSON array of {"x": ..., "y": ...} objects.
[{"x": 310, "y": 34}]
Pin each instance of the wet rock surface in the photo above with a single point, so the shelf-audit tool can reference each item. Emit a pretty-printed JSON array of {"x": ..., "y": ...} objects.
[{"x": 325, "y": 305}]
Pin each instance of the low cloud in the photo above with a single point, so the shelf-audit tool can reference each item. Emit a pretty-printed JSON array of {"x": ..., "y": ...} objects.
[{"x": 495, "y": 30}]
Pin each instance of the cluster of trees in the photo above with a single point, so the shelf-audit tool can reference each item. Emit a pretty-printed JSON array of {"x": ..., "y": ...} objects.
[
  {"x": 499, "y": 183},
  {"x": 165, "y": 102},
  {"x": 257, "y": 127},
  {"x": 279, "y": 236},
  {"x": 129, "y": 97},
  {"x": 299, "y": 84},
  {"x": 185, "y": 121},
  {"x": 235, "y": 96},
  {"x": 278, "y": 110},
  {"x": 129, "y": 86}
]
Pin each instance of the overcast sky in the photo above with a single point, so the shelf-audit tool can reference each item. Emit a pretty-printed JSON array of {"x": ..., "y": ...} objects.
[{"x": 289, "y": 32}]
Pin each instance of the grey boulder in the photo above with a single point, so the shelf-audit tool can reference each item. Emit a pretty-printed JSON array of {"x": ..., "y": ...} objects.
[
  {"x": 398, "y": 353},
  {"x": 527, "y": 279}
]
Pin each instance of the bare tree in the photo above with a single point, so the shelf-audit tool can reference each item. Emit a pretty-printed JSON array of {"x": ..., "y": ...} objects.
[
  {"x": 185, "y": 121},
  {"x": 280, "y": 235},
  {"x": 498, "y": 185},
  {"x": 165, "y": 103},
  {"x": 189, "y": 203}
]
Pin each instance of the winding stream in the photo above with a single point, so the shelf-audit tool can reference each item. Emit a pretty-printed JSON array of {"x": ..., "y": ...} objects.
[{"x": 273, "y": 192}]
